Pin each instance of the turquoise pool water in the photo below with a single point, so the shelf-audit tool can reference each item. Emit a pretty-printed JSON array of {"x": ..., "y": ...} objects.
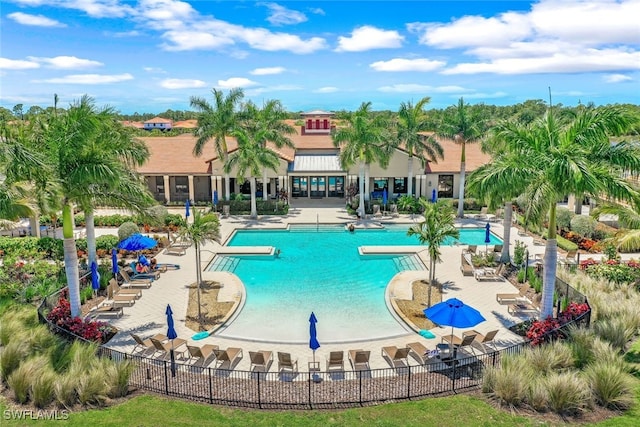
[{"x": 320, "y": 270}]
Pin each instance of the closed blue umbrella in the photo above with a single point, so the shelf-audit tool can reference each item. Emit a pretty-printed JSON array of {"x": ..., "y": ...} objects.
[
  {"x": 95, "y": 277},
  {"x": 313, "y": 339},
  {"x": 171, "y": 334},
  {"x": 137, "y": 242},
  {"x": 384, "y": 197},
  {"x": 487, "y": 236},
  {"x": 434, "y": 196},
  {"x": 186, "y": 208},
  {"x": 215, "y": 198},
  {"x": 114, "y": 262},
  {"x": 454, "y": 313}
]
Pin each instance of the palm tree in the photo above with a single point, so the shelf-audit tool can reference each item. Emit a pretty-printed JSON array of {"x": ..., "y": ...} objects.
[
  {"x": 463, "y": 127},
  {"x": 365, "y": 141},
  {"x": 202, "y": 229},
  {"x": 570, "y": 156},
  {"x": 438, "y": 225},
  {"x": 627, "y": 238},
  {"x": 410, "y": 127},
  {"x": 267, "y": 125},
  {"x": 90, "y": 160},
  {"x": 217, "y": 122},
  {"x": 250, "y": 157}
]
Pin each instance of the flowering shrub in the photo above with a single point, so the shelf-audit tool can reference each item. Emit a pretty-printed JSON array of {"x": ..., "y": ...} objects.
[
  {"x": 587, "y": 262},
  {"x": 88, "y": 329},
  {"x": 614, "y": 272},
  {"x": 542, "y": 330}
]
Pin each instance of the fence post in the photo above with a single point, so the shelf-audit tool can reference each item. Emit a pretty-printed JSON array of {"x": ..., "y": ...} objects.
[
  {"x": 453, "y": 372},
  {"x": 166, "y": 378},
  {"x": 360, "y": 388},
  {"x": 259, "y": 400},
  {"x": 210, "y": 386},
  {"x": 309, "y": 385},
  {"x": 409, "y": 382}
]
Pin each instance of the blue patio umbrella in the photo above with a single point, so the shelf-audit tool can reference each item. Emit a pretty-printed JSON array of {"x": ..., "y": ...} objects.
[
  {"x": 313, "y": 339},
  {"x": 114, "y": 262},
  {"x": 215, "y": 198},
  {"x": 95, "y": 277},
  {"x": 454, "y": 313},
  {"x": 171, "y": 334},
  {"x": 137, "y": 242},
  {"x": 434, "y": 196},
  {"x": 384, "y": 196},
  {"x": 186, "y": 209}
]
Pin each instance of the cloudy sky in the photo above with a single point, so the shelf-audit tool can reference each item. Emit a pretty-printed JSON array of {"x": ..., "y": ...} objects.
[{"x": 152, "y": 55}]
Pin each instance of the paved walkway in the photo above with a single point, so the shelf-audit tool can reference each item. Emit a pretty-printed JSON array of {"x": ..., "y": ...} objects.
[{"x": 147, "y": 316}]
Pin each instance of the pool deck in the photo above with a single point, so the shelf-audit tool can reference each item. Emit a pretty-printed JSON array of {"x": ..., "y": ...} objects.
[{"x": 147, "y": 316}]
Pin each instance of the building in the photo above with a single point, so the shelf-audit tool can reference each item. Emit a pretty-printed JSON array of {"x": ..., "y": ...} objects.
[
  {"x": 158, "y": 123},
  {"x": 310, "y": 170}
]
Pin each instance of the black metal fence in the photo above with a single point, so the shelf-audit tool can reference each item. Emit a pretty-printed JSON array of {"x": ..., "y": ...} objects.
[{"x": 305, "y": 390}]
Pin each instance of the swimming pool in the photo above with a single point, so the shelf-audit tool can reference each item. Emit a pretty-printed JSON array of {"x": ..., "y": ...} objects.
[{"x": 319, "y": 269}]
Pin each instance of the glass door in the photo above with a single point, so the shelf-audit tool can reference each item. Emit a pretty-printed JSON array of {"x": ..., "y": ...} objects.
[
  {"x": 336, "y": 186},
  {"x": 299, "y": 186},
  {"x": 318, "y": 186}
]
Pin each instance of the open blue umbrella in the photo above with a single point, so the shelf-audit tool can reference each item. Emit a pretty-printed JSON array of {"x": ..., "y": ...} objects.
[
  {"x": 384, "y": 196},
  {"x": 114, "y": 262},
  {"x": 171, "y": 334},
  {"x": 186, "y": 209},
  {"x": 434, "y": 196},
  {"x": 137, "y": 242},
  {"x": 454, "y": 313}
]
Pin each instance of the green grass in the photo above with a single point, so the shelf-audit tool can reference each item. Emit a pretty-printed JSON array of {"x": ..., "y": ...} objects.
[{"x": 157, "y": 411}]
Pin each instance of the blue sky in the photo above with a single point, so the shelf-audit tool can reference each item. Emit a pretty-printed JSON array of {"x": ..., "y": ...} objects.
[{"x": 152, "y": 55}]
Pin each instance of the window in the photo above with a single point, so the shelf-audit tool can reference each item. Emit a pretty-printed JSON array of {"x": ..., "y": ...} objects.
[
  {"x": 400, "y": 185},
  {"x": 159, "y": 184},
  {"x": 445, "y": 186},
  {"x": 182, "y": 185},
  {"x": 379, "y": 184}
]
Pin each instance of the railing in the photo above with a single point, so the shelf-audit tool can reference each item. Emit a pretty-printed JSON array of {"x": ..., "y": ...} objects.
[{"x": 306, "y": 390}]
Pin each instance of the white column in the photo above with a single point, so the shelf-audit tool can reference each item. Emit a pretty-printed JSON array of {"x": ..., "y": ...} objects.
[
  {"x": 167, "y": 188},
  {"x": 191, "y": 189},
  {"x": 424, "y": 190},
  {"x": 571, "y": 202}
]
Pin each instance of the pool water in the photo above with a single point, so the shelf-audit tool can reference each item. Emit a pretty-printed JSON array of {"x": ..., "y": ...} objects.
[{"x": 319, "y": 269}]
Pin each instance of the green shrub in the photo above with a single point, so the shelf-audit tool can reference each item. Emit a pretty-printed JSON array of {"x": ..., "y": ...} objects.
[
  {"x": 42, "y": 389},
  {"x": 91, "y": 387},
  {"x": 610, "y": 385},
  {"x": 118, "y": 375},
  {"x": 535, "y": 282},
  {"x": 519, "y": 252},
  {"x": 615, "y": 331},
  {"x": 51, "y": 248},
  {"x": 65, "y": 390},
  {"x": 567, "y": 392},
  {"x": 83, "y": 355},
  {"x": 565, "y": 244},
  {"x": 583, "y": 225},
  {"x": 155, "y": 216},
  {"x": 537, "y": 396},
  {"x": 489, "y": 379},
  {"x": 563, "y": 218},
  {"x": 107, "y": 242},
  {"x": 86, "y": 294},
  {"x": 173, "y": 219},
  {"x": 127, "y": 229},
  {"x": 11, "y": 357}
]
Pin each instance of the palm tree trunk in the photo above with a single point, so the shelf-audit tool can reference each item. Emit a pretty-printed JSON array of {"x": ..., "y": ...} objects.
[
  {"x": 367, "y": 191},
  {"x": 264, "y": 184},
  {"x": 550, "y": 264},
  {"x": 461, "y": 190},
  {"x": 508, "y": 212},
  {"x": 34, "y": 223},
  {"x": 254, "y": 208},
  {"x": 431, "y": 279},
  {"x": 198, "y": 283},
  {"x": 361, "y": 189},
  {"x": 91, "y": 236},
  {"x": 410, "y": 175},
  {"x": 71, "y": 261}
]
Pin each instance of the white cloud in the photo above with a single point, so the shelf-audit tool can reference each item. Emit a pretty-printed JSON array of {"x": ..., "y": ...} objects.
[
  {"x": 316, "y": 11},
  {"x": 93, "y": 8},
  {"x": 616, "y": 78},
  {"x": 235, "y": 82},
  {"x": 182, "y": 83},
  {"x": 88, "y": 79},
  {"x": 588, "y": 60},
  {"x": 280, "y": 15},
  {"x": 192, "y": 40},
  {"x": 66, "y": 62},
  {"x": 267, "y": 71},
  {"x": 367, "y": 38},
  {"x": 34, "y": 20},
  {"x": 262, "y": 39},
  {"x": 155, "y": 70},
  {"x": 326, "y": 89},
  {"x": 122, "y": 34},
  {"x": 401, "y": 64},
  {"x": 17, "y": 64},
  {"x": 414, "y": 87}
]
